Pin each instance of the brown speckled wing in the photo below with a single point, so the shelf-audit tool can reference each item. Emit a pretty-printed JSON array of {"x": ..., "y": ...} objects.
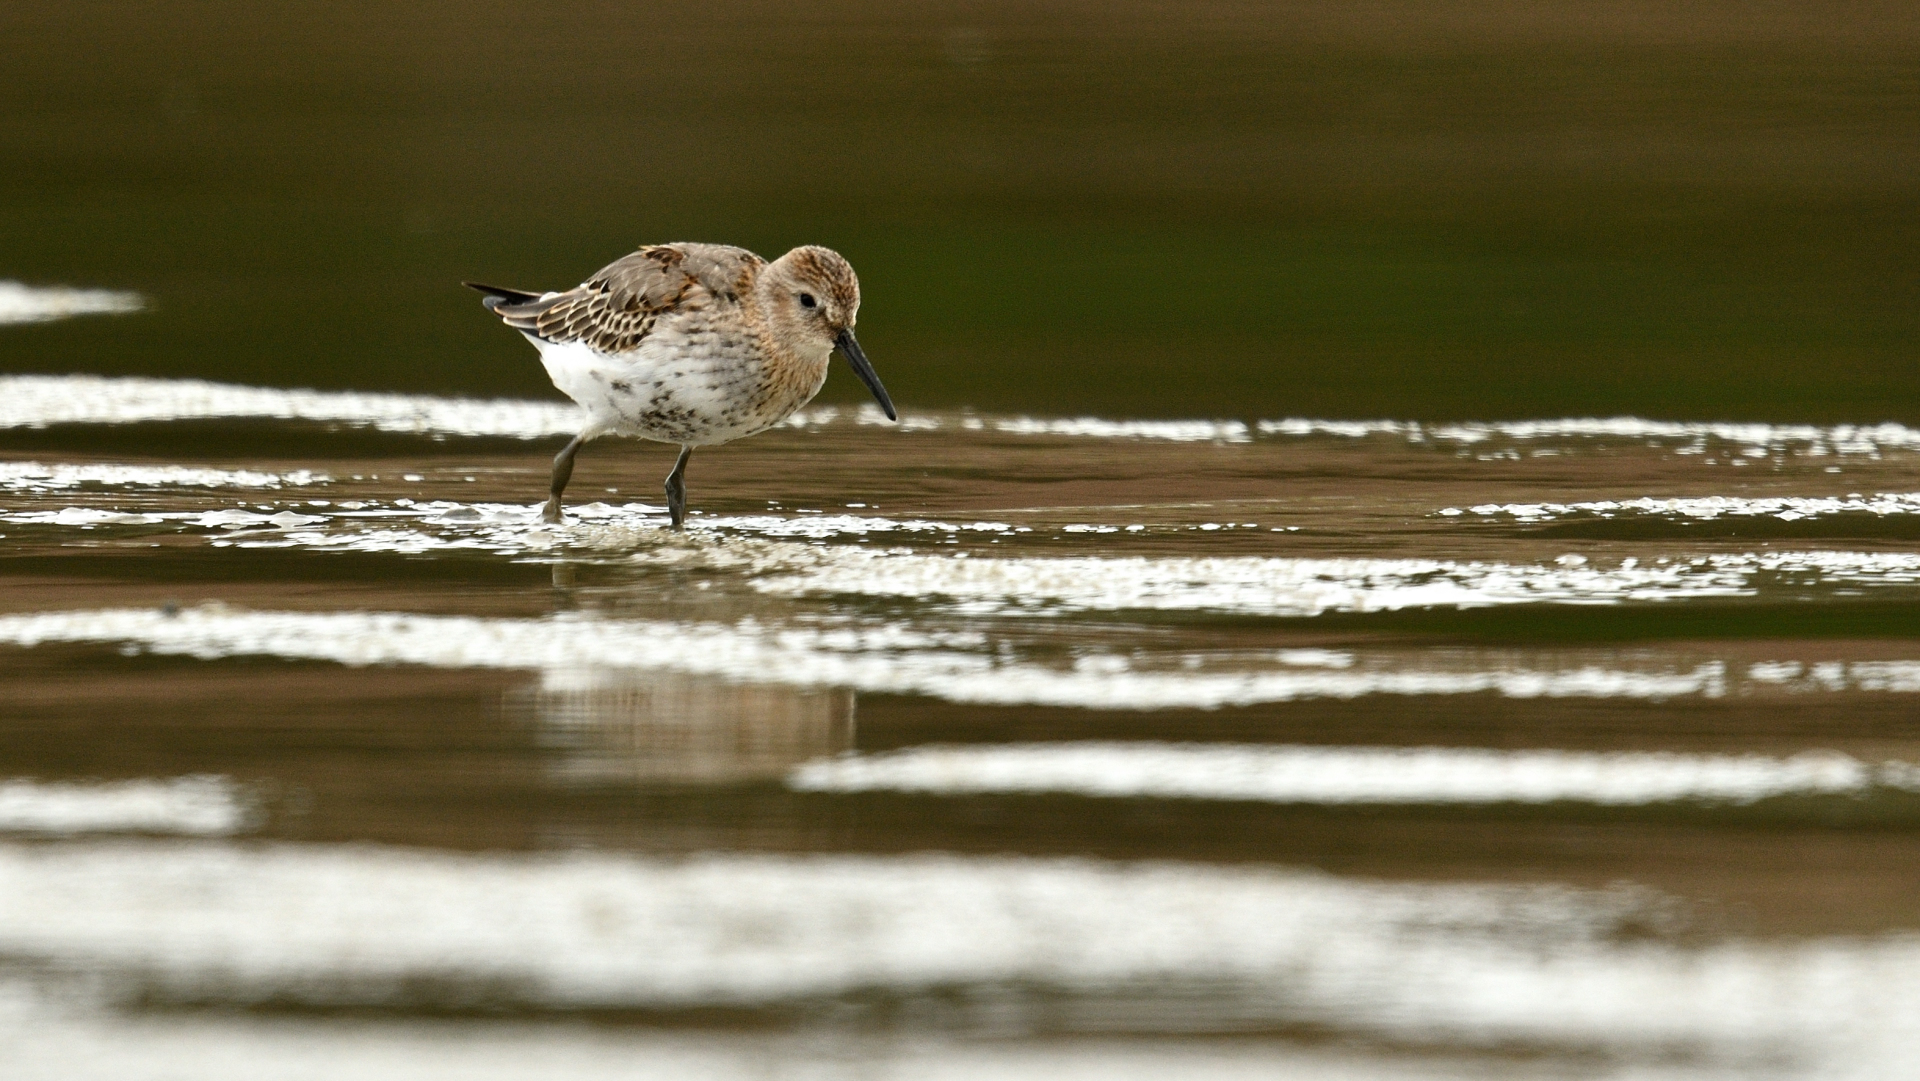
[{"x": 616, "y": 309}]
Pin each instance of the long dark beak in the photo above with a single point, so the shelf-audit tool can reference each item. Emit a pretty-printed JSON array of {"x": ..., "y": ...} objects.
[{"x": 864, "y": 370}]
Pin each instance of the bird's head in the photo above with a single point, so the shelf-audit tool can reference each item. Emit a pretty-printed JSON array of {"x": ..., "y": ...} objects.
[{"x": 812, "y": 299}]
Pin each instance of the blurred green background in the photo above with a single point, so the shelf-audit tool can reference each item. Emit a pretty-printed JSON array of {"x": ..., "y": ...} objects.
[{"x": 1403, "y": 208}]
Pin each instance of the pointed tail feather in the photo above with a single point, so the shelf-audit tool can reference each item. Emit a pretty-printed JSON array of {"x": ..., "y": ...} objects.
[{"x": 497, "y": 296}]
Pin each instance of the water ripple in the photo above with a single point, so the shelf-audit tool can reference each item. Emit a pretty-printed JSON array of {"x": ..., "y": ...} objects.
[
  {"x": 35, "y": 401},
  {"x": 958, "y": 665},
  {"x": 1279, "y": 586},
  {"x": 20, "y": 303},
  {"x": 1347, "y": 775},
  {"x": 60, "y": 476},
  {"x": 1474, "y": 965},
  {"x": 207, "y": 806},
  {"x": 1704, "y": 508}
]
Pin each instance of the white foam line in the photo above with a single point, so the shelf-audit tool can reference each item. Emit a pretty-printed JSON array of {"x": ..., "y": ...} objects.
[
  {"x": 871, "y": 656},
  {"x": 1346, "y": 775},
  {"x": 38, "y": 401},
  {"x": 20, "y": 303},
  {"x": 890, "y": 659},
  {"x": 1470, "y": 964},
  {"x": 35, "y": 401},
  {"x": 1177, "y": 431},
  {"x": 53, "y": 1045},
  {"x": 1785, "y": 508},
  {"x": 1348, "y": 429},
  {"x": 203, "y": 806},
  {"x": 230, "y": 518},
  {"x": 843, "y": 525},
  {"x": 1805, "y": 438},
  {"x": 503, "y": 528},
  {"x": 1257, "y": 585},
  {"x": 1250, "y": 585},
  {"x": 35, "y": 477}
]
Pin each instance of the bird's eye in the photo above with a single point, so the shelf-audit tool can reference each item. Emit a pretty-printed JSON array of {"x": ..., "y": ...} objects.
[{"x": 806, "y": 300}]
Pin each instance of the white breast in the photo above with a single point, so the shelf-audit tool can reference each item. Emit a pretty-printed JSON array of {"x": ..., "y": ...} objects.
[{"x": 692, "y": 383}]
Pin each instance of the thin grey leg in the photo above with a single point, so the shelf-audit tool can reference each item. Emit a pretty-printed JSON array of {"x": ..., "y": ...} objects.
[
  {"x": 677, "y": 489},
  {"x": 562, "y": 473}
]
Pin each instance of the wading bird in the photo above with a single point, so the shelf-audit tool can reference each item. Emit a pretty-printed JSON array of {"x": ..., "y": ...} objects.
[{"x": 695, "y": 344}]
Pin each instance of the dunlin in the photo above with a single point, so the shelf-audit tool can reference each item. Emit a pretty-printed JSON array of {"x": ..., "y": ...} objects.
[{"x": 695, "y": 344}]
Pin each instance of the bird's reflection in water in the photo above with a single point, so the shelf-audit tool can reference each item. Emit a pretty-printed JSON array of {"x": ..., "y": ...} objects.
[{"x": 613, "y": 726}]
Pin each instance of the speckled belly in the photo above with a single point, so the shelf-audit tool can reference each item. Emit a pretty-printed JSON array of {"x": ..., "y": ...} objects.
[{"x": 692, "y": 389}]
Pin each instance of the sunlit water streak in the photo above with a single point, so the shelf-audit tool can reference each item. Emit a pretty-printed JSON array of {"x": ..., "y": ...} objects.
[
  {"x": 204, "y": 806},
  {"x": 638, "y": 529},
  {"x": 21, "y": 303},
  {"x": 55, "y": 1045},
  {"x": 61, "y": 476},
  {"x": 1682, "y": 437},
  {"x": 1349, "y": 774},
  {"x": 1451, "y": 964},
  {"x": 1178, "y": 431},
  {"x": 1705, "y": 508},
  {"x": 35, "y": 401},
  {"x": 1280, "y": 586},
  {"x": 39, "y": 400},
  {"x": 752, "y": 545},
  {"x": 958, "y": 665}
]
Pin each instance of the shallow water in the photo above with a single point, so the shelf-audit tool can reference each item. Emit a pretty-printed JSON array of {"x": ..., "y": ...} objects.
[
  {"x": 1401, "y": 558},
  {"x": 973, "y": 743}
]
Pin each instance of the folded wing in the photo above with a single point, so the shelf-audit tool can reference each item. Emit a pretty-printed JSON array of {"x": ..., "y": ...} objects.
[{"x": 615, "y": 310}]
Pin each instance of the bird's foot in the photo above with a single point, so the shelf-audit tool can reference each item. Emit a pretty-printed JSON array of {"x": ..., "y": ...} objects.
[{"x": 551, "y": 515}]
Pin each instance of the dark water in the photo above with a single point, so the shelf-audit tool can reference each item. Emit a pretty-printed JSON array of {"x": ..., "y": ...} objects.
[
  {"x": 1141, "y": 705},
  {"x": 1140, "y": 210}
]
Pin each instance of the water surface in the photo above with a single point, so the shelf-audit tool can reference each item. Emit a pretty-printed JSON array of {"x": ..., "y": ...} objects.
[
  {"x": 1401, "y": 555},
  {"x": 1586, "y": 742}
]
